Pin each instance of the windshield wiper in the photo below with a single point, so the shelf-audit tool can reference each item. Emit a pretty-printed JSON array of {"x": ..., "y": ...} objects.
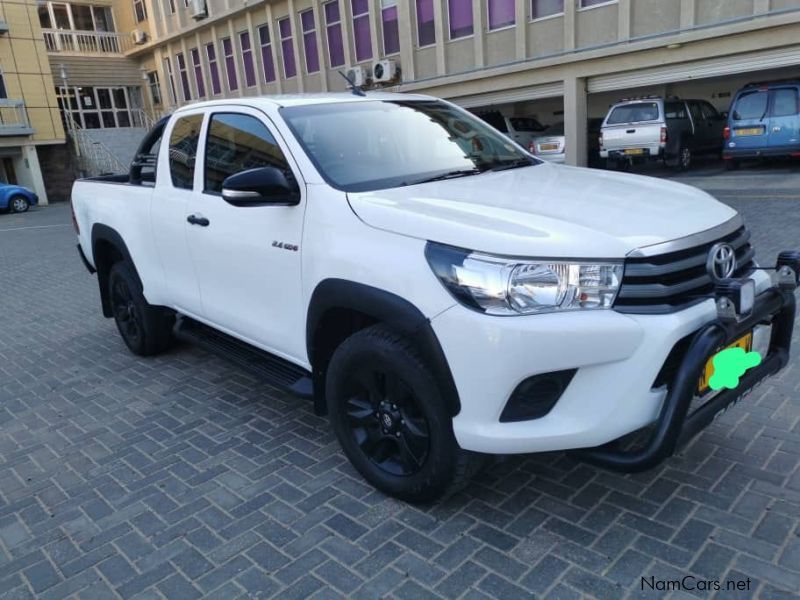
[
  {"x": 448, "y": 175},
  {"x": 514, "y": 164}
]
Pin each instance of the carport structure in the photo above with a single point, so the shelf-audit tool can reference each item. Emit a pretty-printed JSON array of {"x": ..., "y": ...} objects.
[{"x": 699, "y": 57}]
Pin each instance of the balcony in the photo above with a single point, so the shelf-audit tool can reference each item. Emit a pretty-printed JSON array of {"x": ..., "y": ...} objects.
[
  {"x": 14, "y": 118},
  {"x": 65, "y": 41}
]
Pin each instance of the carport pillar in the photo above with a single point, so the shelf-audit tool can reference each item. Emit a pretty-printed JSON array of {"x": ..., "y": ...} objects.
[{"x": 575, "y": 117}]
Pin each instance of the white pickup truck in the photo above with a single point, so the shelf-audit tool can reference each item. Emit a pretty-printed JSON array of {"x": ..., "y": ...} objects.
[{"x": 440, "y": 293}]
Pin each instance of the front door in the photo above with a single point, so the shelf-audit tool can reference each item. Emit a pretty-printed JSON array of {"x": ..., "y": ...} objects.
[
  {"x": 247, "y": 258},
  {"x": 784, "y": 120}
]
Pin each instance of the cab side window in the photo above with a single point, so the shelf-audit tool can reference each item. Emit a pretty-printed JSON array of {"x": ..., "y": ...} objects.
[
  {"x": 238, "y": 143},
  {"x": 183, "y": 141},
  {"x": 697, "y": 114},
  {"x": 709, "y": 112}
]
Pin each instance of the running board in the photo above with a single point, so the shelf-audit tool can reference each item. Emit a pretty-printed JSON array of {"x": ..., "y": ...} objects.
[{"x": 270, "y": 368}]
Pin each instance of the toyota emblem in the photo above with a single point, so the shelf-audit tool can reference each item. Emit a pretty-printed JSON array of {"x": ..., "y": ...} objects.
[{"x": 721, "y": 262}]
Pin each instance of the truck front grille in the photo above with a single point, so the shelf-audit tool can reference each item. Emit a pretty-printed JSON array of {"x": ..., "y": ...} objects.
[{"x": 669, "y": 282}]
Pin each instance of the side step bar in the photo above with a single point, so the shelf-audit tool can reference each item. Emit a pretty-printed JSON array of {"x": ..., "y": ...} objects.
[{"x": 270, "y": 368}]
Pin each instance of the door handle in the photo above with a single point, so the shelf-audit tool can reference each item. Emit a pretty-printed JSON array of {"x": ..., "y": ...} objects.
[{"x": 195, "y": 220}]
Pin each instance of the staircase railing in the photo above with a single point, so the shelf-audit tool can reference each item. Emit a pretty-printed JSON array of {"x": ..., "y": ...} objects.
[{"x": 94, "y": 157}]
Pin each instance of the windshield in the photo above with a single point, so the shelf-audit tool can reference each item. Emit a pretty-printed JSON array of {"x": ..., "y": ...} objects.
[
  {"x": 633, "y": 113},
  {"x": 365, "y": 146}
]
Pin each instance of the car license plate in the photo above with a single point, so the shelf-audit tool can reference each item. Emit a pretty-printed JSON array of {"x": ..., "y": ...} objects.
[
  {"x": 750, "y": 131},
  {"x": 745, "y": 343},
  {"x": 548, "y": 147},
  {"x": 634, "y": 151}
]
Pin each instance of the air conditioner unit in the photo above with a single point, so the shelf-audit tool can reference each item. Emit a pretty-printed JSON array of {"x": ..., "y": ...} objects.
[
  {"x": 198, "y": 9},
  {"x": 356, "y": 76},
  {"x": 384, "y": 70},
  {"x": 139, "y": 37}
]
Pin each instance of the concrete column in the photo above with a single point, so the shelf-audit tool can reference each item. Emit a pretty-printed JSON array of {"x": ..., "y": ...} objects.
[
  {"x": 441, "y": 36},
  {"x": 479, "y": 30},
  {"x": 30, "y": 175},
  {"x": 321, "y": 53},
  {"x": 575, "y": 116},
  {"x": 299, "y": 59},
  {"x": 406, "y": 40},
  {"x": 625, "y": 7},
  {"x": 761, "y": 7},
  {"x": 521, "y": 30},
  {"x": 570, "y": 23},
  {"x": 237, "y": 55},
  {"x": 274, "y": 40},
  {"x": 688, "y": 12}
]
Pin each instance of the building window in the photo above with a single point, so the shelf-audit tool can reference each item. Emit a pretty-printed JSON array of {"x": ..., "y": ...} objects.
[
  {"x": 459, "y": 15},
  {"x": 588, "y": 3},
  {"x": 173, "y": 95},
  {"x": 139, "y": 10},
  {"x": 247, "y": 59},
  {"x": 97, "y": 107},
  {"x": 501, "y": 13},
  {"x": 391, "y": 34},
  {"x": 361, "y": 30},
  {"x": 287, "y": 47},
  {"x": 3, "y": 89},
  {"x": 230, "y": 64},
  {"x": 333, "y": 27},
  {"x": 546, "y": 8},
  {"x": 266, "y": 53},
  {"x": 155, "y": 87},
  {"x": 198, "y": 72},
  {"x": 171, "y": 6},
  {"x": 213, "y": 69},
  {"x": 184, "y": 75},
  {"x": 310, "y": 41},
  {"x": 426, "y": 28}
]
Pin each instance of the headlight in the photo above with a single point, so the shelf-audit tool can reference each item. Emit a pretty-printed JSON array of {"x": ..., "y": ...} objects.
[{"x": 509, "y": 286}]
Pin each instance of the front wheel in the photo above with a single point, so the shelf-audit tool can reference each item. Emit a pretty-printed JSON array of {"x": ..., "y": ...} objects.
[
  {"x": 390, "y": 418},
  {"x": 18, "y": 204},
  {"x": 145, "y": 329}
]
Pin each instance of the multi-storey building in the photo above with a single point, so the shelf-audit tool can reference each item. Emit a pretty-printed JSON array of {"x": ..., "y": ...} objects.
[
  {"x": 29, "y": 121},
  {"x": 558, "y": 60}
]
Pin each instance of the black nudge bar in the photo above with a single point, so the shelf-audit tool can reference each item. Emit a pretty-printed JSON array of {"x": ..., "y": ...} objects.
[{"x": 675, "y": 426}]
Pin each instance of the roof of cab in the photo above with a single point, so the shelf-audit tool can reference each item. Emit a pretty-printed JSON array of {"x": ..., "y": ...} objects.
[{"x": 305, "y": 99}]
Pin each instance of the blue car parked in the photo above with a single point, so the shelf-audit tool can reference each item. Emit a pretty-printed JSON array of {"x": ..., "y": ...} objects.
[
  {"x": 15, "y": 198},
  {"x": 764, "y": 121}
]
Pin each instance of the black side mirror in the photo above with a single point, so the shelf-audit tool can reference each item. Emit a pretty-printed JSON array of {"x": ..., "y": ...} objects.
[{"x": 265, "y": 185}]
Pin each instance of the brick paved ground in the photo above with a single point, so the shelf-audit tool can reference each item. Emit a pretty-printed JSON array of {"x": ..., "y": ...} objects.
[{"x": 180, "y": 476}]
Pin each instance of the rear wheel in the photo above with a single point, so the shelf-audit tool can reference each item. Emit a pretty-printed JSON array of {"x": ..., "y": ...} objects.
[
  {"x": 391, "y": 420},
  {"x": 684, "y": 158},
  {"x": 145, "y": 329},
  {"x": 18, "y": 204},
  {"x": 732, "y": 165}
]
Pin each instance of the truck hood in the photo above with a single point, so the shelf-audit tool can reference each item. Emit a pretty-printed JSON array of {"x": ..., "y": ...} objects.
[{"x": 544, "y": 211}]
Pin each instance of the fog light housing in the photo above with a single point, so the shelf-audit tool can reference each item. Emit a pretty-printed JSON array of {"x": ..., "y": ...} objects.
[
  {"x": 735, "y": 298},
  {"x": 790, "y": 259},
  {"x": 536, "y": 396}
]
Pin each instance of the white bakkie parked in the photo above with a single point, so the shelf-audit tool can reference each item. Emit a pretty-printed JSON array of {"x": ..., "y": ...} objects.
[{"x": 439, "y": 292}]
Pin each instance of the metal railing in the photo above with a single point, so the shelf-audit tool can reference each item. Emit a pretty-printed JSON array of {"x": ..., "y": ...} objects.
[
  {"x": 141, "y": 118},
  {"x": 14, "y": 118},
  {"x": 86, "y": 42},
  {"x": 94, "y": 157}
]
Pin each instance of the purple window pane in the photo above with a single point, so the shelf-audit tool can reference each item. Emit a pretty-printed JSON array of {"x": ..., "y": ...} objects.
[
  {"x": 187, "y": 91},
  {"x": 247, "y": 59},
  {"x": 359, "y": 6},
  {"x": 332, "y": 12},
  {"x": 336, "y": 45},
  {"x": 198, "y": 72},
  {"x": 391, "y": 34},
  {"x": 545, "y": 8},
  {"x": 307, "y": 20},
  {"x": 312, "y": 54},
  {"x": 585, "y": 3},
  {"x": 266, "y": 54},
  {"x": 285, "y": 28},
  {"x": 230, "y": 65},
  {"x": 460, "y": 17},
  {"x": 426, "y": 28},
  {"x": 501, "y": 13},
  {"x": 361, "y": 35},
  {"x": 211, "y": 53},
  {"x": 287, "y": 48}
]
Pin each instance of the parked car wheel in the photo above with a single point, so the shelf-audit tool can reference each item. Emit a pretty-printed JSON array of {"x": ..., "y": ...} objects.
[
  {"x": 391, "y": 420},
  {"x": 18, "y": 204},
  {"x": 145, "y": 329},
  {"x": 684, "y": 158},
  {"x": 732, "y": 165}
]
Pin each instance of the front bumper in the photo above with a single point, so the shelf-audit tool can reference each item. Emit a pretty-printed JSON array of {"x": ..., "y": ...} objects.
[{"x": 617, "y": 356}]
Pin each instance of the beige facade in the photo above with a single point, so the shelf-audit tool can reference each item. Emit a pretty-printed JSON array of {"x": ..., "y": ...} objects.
[
  {"x": 552, "y": 59},
  {"x": 29, "y": 115}
]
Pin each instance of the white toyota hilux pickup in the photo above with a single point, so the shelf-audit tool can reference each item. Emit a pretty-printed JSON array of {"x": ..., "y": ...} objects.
[{"x": 440, "y": 293}]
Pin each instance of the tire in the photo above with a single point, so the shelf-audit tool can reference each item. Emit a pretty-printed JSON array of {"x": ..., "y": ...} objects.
[
  {"x": 390, "y": 418},
  {"x": 18, "y": 204},
  {"x": 684, "y": 159},
  {"x": 732, "y": 165},
  {"x": 145, "y": 329}
]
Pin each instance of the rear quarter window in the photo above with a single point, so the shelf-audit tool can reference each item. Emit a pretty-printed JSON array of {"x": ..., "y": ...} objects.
[
  {"x": 183, "y": 142},
  {"x": 633, "y": 113},
  {"x": 784, "y": 103}
]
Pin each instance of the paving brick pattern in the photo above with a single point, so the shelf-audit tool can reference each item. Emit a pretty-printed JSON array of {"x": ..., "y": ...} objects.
[{"x": 182, "y": 477}]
